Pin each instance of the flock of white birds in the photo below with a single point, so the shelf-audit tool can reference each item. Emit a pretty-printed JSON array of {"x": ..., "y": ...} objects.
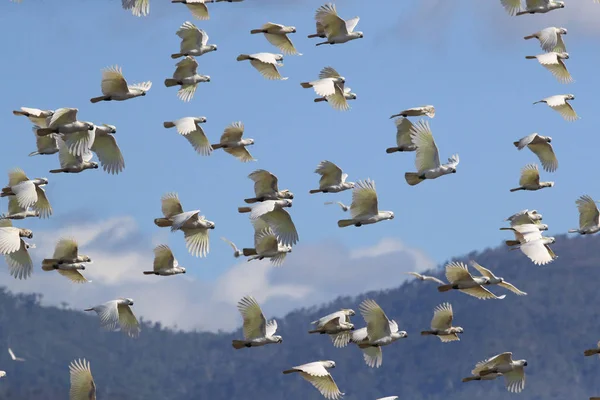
[{"x": 59, "y": 131}]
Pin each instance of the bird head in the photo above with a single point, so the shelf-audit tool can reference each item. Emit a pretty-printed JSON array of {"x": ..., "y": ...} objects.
[
  {"x": 80, "y": 266},
  {"x": 89, "y": 126},
  {"x": 349, "y": 311},
  {"x": 459, "y": 329},
  {"x": 328, "y": 364},
  {"x": 453, "y": 170},
  {"x": 562, "y": 31},
  {"x": 128, "y": 301},
  {"x": 551, "y": 239},
  {"x": 549, "y": 184},
  {"x": 207, "y": 77},
  {"x": 279, "y": 57},
  {"x": 522, "y": 363},
  {"x": 500, "y": 279},
  {"x": 390, "y": 215},
  {"x": 278, "y": 339},
  {"x": 564, "y": 55},
  {"x": 211, "y": 225},
  {"x": 543, "y": 227},
  {"x": 94, "y": 165},
  {"x": 250, "y": 141},
  {"x": 548, "y": 139},
  {"x": 561, "y": 4},
  {"x": 41, "y": 181},
  {"x": 285, "y": 203},
  {"x": 351, "y": 184},
  {"x": 352, "y": 96},
  {"x": 570, "y": 97},
  {"x": 86, "y": 259},
  {"x": 286, "y": 194},
  {"x": 182, "y": 270},
  {"x": 213, "y": 47},
  {"x": 143, "y": 93},
  {"x": 26, "y": 233},
  {"x": 359, "y": 34},
  {"x": 36, "y": 213},
  {"x": 201, "y": 120},
  {"x": 111, "y": 128},
  {"x": 287, "y": 249},
  {"x": 403, "y": 334}
]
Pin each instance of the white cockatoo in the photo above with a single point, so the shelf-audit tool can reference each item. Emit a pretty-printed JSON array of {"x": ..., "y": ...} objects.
[
  {"x": 115, "y": 88},
  {"x": 364, "y": 209},
  {"x": 46, "y": 145},
  {"x": 317, "y": 375},
  {"x": 276, "y": 34},
  {"x": 541, "y": 147},
  {"x": 266, "y": 245},
  {"x": 14, "y": 249},
  {"x": 348, "y": 95},
  {"x": 107, "y": 150},
  {"x": 189, "y": 128},
  {"x": 15, "y": 211},
  {"x": 83, "y": 386},
  {"x": 64, "y": 121},
  {"x": 589, "y": 216},
  {"x": 232, "y": 143},
  {"x": 427, "y": 160},
  {"x": 320, "y": 31},
  {"x": 425, "y": 277},
  {"x": 492, "y": 279},
  {"x": 266, "y": 64},
  {"x": 272, "y": 212},
  {"x": 194, "y": 41},
  {"x": 560, "y": 103},
  {"x": 403, "y": 139},
  {"x": 428, "y": 111},
  {"x": 236, "y": 252},
  {"x": 73, "y": 164},
  {"x": 339, "y": 203},
  {"x": 139, "y": 8},
  {"x": 67, "y": 261},
  {"x": 512, "y": 370},
  {"x": 336, "y": 28},
  {"x": 187, "y": 77},
  {"x": 35, "y": 115},
  {"x": 530, "y": 179},
  {"x": 550, "y": 39},
  {"x": 337, "y": 325},
  {"x": 116, "y": 314},
  {"x": 380, "y": 331},
  {"x": 13, "y": 357},
  {"x": 441, "y": 324},
  {"x": 28, "y": 192},
  {"x": 460, "y": 278},
  {"x": 257, "y": 330},
  {"x": 197, "y": 8},
  {"x": 529, "y": 239},
  {"x": 331, "y": 86},
  {"x": 195, "y": 227},
  {"x": 333, "y": 179},
  {"x": 525, "y": 217},
  {"x": 165, "y": 263},
  {"x": 554, "y": 63},
  {"x": 266, "y": 187},
  {"x": 594, "y": 351},
  {"x": 515, "y": 7}
]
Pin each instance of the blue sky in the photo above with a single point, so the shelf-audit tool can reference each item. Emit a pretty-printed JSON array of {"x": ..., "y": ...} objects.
[{"x": 466, "y": 60}]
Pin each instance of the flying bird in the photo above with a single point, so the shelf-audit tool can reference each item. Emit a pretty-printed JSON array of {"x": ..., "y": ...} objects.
[
  {"x": 550, "y": 39},
  {"x": 593, "y": 351},
  {"x": 541, "y": 147},
  {"x": 272, "y": 212},
  {"x": 364, "y": 209},
  {"x": 187, "y": 77},
  {"x": 513, "y": 371},
  {"x": 589, "y": 216},
  {"x": 236, "y": 252},
  {"x": 195, "y": 227},
  {"x": 107, "y": 150},
  {"x": 425, "y": 277},
  {"x": 28, "y": 192},
  {"x": 428, "y": 111},
  {"x": 460, "y": 278},
  {"x": 333, "y": 179},
  {"x": 560, "y": 103},
  {"x": 492, "y": 279},
  {"x": 380, "y": 331},
  {"x": 165, "y": 263},
  {"x": 335, "y": 28},
  {"x": 339, "y": 203},
  {"x": 316, "y": 373},
  {"x": 266, "y": 245},
  {"x": 257, "y": 331},
  {"x": 194, "y": 41},
  {"x": 554, "y": 63},
  {"x": 69, "y": 271},
  {"x": 46, "y": 145},
  {"x": 441, "y": 324},
  {"x": 525, "y": 217},
  {"x": 83, "y": 386},
  {"x": 116, "y": 314},
  {"x": 348, "y": 95},
  {"x": 232, "y": 143},
  {"x": 190, "y": 129},
  {"x": 35, "y": 115},
  {"x": 67, "y": 261},
  {"x": 427, "y": 160},
  {"x": 14, "y": 249},
  {"x": 515, "y": 7},
  {"x": 529, "y": 239},
  {"x": 139, "y": 8},
  {"x": 276, "y": 34},
  {"x": 64, "y": 121},
  {"x": 266, "y": 64},
  {"x": 330, "y": 85},
  {"x": 403, "y": 139},
  {"x": 530, "y": 179},
  {"x": 337, "y": 325},
  {"x": 115, "y": 87},
  {"x": 266, "y": 187},
  {"x": 73, "y": 164},
  {"x": 15, "y": 211},
  {"x": 197, "y": 8},
  {"x": 13, "y": 357}
]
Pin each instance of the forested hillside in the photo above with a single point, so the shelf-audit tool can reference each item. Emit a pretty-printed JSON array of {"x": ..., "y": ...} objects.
[{"x": 550, "y": 327}]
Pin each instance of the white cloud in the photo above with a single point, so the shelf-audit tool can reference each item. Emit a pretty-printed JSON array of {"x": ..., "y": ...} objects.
[{"x": 311, "y": 275}]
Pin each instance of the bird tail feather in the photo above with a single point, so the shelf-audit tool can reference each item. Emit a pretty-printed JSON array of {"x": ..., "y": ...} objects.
[
  {"x": 89, "y": 309},
  {"x": 21, "y": 113},
  {"x": 244, "y": 209},
  {"x": 512, "y": 242},
  {"x": 313, "y": 191},
  {"x": 216, "y": 146},
  {"x": 319, "y": 99},
  {"x": 56, "y": 171},
  {"x": 444, "y": 288},
  {"x": 521, "y": 13},
  {"x": 170, "y": 82},
  {"x": 44, "y": 131},
  {"x": 249, "y": 252},
  {"x": 529, "y": 37},
  {"x": 176, "y": 55},
  {"x": 289, "y": 371},
  {"x": 342, "y": 223},
  {"x": 251, "y": 200},
  {"x": 98, "y": 99},
  {"x": 471, "y": 378},
  {"x": 253, "y": 31},
  {"x": 162, "y": 222},
  {"x": 238, "y": 344},
  {"x": 425, "y": 333},
  {"x": 243, "y": 57},
  {"x": 314, "y": 331},
  {"x": 306, "y": 85},
  {"x": 314, "y": 35},
  {"x": 412, "y": 178},
  {"x": 34, "y": 153},
  {"x": 148, "y": 272},
  {"x": 168, "y": 124},
  {"x": 530, "y": 57},
  {"x": 390, "y": 150},
  {"x": 591, "y": 352},
  {"x": 516, "y": 189}
]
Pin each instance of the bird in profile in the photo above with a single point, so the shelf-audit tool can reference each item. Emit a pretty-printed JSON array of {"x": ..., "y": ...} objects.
[
  {"x": 14, "y": 249},
  {"x": 71, "y": 164},
  {"x": 550, "y": 39},
  {"x": 337, "y": 325},
  {"x": 460, "y": 279},
  {"x": 115, "y": 87},
  {"x": 117, "y": 314},
  {"x": 330, "y": 85},
  {"x": 197, "y": 8},
  {"x": 64, "y": 121},
  {"x": 515, "y": 7},
  {"x": 425, "y": 278},
  {"x": 560, "y": 103},
  {"x": 277, "y": 35},
  {"x": 266, "y": 187},
  {"x": 266, "y": 245},
  {"x": 364, "y": 209},
  {"x": 512, "y": 370},
  {"x": 13, "y": 357},
  {"x": 403, "y": 139},
  {"x": 428, "y": 111},
  {"x": 35, "y": 115},
  {"x": 194, "y": 41},
  {"x": 589, "y": 216},
  {"x": 335, "y": 28},
  {"x": 83, "y": 386},
  {"x": 28, "y": 192},
  {"x": 348, "y": 95},
  {"x": 273, "y": 213},
  {"x": 165, "y": 263},
  {"x": 67, "y": 261},
  {"x": 236, "y": 252},
  {"x": 333, "y": 179},
  {"x": 339, "y": 203},
  {"x": 530, "y": 179},
  {"x": 15, "y": 211},
  {"x": 139, "y": 8},
  {"x": 441, "y": 324},
  {"x": 492, "y": 279},
  {"x": 541, "y": 147},
  {"x": 529, "y": 239},
  {"x": 232, "y": 143},
  {"x": 317, "y": 375},
  {"x": 427, "y": 160},
  {"x": 257, "y": 331},
  {"x": 266, "y": 64},
  {"x": 107, "y": 150},
  {"x": 190, "y": 129},
  {"x": 526, "y": 217},
  {"x": 554, "y": 62},
  {"x": 187, "y": 77}
]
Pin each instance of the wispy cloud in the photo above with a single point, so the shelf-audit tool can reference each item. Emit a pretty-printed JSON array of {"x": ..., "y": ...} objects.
[{"x": 312, "y": 274}]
